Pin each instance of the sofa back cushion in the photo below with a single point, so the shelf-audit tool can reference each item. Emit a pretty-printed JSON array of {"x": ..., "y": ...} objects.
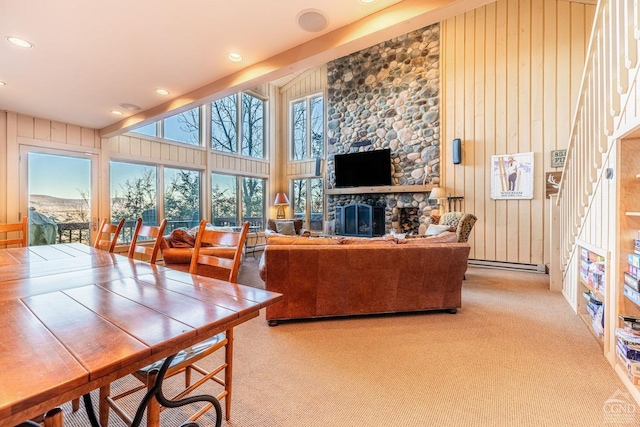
[{"x": 272, "y": 224}]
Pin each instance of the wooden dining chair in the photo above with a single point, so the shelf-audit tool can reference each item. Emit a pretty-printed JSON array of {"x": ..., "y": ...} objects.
[
  {"x": 148, "y": 247},
  {"x": 20, "y": 227},
  {"x": 186, "y": 360},
  {"x": 213, "y": 266},
  {"x": 108, "y": 235}
]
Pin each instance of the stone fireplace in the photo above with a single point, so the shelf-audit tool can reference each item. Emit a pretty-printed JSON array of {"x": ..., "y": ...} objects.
[{"x": 388, "y": 96}]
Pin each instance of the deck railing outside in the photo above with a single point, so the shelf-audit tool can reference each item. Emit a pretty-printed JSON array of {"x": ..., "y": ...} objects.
[{"x": 79, "y": 232}]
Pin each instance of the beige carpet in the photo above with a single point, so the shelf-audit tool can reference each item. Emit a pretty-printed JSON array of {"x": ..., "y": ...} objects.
[{"x": 514, "y": 355}]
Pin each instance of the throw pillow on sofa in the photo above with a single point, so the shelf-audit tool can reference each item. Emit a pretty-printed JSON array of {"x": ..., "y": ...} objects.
[
  {"x": 435, "y": 229},
  {"x": 286, "y": 228}
]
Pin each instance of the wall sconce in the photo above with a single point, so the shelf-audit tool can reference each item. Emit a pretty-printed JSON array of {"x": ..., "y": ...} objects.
[
  {"x": 281, "y": 201},
  {"x": 438, "y": 194}
]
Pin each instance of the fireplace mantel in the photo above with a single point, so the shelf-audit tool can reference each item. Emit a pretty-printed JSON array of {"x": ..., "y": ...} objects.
[{"x": 381, "y": 189}]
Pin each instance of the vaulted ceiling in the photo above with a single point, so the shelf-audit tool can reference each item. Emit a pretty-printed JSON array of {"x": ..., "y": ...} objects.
[{"x": 90, "y": 58}]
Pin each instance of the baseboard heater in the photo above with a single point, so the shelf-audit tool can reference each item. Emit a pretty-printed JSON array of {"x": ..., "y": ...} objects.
[{"x": 534, "y": 268}]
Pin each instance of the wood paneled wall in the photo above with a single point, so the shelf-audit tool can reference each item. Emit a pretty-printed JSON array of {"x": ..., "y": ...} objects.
[{"x": 511, "y": 72}]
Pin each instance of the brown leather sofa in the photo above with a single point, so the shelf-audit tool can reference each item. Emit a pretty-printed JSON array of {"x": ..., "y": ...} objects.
[{"x": 340, "y": 277}]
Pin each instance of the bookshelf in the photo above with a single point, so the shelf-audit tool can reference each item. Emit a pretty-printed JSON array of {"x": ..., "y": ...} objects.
[
  {"x": 628, "y": 300},
  {"x": 593, "y": 305}
]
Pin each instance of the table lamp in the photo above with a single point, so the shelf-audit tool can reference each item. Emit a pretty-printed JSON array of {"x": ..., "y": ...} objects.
[
  {"x": 281, "y": 201},
  {"x": 437, "y": 193}
]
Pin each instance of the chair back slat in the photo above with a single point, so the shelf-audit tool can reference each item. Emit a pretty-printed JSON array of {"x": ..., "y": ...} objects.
[
  {"x": 219, "y": 238},
  {"x": 146, "y": 250},
  {"x": 20, "y": 227},
  {"x": 108, "y": 235}
]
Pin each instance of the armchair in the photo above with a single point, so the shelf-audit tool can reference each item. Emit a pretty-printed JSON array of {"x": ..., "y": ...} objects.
[{"x": 462, "y": 222}]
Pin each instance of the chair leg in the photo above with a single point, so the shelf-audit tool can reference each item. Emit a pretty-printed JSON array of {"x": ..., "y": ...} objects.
[
  {"x": 103, "y": 406},
  {"x": 153, "y": 408},
  {"x": 228, "y": 371},
  {"x": 75, "y": 404},
  {"x": 53, "y": 418},
  {"x": 187, "y": 377}
]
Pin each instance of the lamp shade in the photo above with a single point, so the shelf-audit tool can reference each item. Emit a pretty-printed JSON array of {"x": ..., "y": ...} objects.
[
  {"x": 281, "y": 199},
  {"x": 437, "y": 193}
]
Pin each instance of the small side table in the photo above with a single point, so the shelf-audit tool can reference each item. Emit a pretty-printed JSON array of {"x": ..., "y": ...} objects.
[{"x": 252, "y": 232}]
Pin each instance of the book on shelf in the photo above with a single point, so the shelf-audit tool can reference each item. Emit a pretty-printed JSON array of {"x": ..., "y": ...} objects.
[
  {"x": 629, "y": 337},
  {"x": 632, "y": 282},
  {"x": 628, "y": 352},
  {"x": 636, "y": 245},
  {"x": 634, "y": 259},
  {"x": 632, "y": 368},
  {"x": 631, "y": 323},
  {"x": 632, "y": 294},
  {"x": 634, "y": 271}
]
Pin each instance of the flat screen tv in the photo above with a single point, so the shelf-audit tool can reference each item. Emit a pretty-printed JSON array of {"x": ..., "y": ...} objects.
[{"x": 363, "y": 169}]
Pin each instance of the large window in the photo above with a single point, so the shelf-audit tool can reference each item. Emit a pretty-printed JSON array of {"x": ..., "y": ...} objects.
[
  {"x": 150, "y": 130},
  {"x": 235, "y": 199},
  {"x": 225, "y": 129},
  {"x": 253, "y": 201},
  {"x": 307, "y": 128},
  {"x": 133, "y": 195},
  {"x": 224, "y": 200},
  {"x": 308, "y": 202},
  {"x": 181, "y": 198},
  {"x": 183, "y": 127}
]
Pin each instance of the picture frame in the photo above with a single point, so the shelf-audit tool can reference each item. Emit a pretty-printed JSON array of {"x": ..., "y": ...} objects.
[
  {"x": 557, "y": 158},
  {"x": 512, "y": 176}
]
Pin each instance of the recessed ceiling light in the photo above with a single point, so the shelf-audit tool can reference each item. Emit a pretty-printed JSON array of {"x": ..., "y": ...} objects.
[
  {"x": 19, "y": 42},
  {"x": 132, "y": 107},
  {"x": 2, "y": 83},
  {"x": 162, "y": 91},
  {"x": 116, "y": 112},
  {"x": 234, "y": 57},
  {"x": 367, "y": 1},
  {"x": 312, "y": 20}
]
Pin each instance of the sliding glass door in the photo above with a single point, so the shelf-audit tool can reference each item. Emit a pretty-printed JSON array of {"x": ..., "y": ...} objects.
[{"x": 57, "y": 193}]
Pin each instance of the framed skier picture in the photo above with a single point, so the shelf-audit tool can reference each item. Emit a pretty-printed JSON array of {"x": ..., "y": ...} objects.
[{"x": 512, "y": 176}]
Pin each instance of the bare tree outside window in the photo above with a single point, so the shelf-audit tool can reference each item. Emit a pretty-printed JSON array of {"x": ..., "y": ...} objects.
[
  {"x": 181, "y": 198},
  {"x": 224, "y": 130},
  {"x": 133, "y": 195},
  {"x": 224, "y": 199},
  {"x": 299, "y": 130},
  {"x": 317, "y": 204},
  {"x": 299, "y": 198},
  {"x": 183, "y": 127},
  {"x": 252, "y": 126},
  {"x": 253, "y": 201},
  {"x": 317, "y": 126}
]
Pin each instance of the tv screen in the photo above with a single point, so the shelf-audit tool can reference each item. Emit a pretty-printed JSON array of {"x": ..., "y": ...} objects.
[{"x": 367, "y": 168}]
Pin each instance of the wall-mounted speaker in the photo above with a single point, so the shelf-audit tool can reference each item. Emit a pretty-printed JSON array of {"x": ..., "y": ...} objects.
[
  {"x": 457, "y": 151},
  {"x": 318, "y": 166}
]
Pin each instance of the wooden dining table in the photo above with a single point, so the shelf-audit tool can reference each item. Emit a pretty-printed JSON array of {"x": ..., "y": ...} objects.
[{"x": 74, "y": 318}]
